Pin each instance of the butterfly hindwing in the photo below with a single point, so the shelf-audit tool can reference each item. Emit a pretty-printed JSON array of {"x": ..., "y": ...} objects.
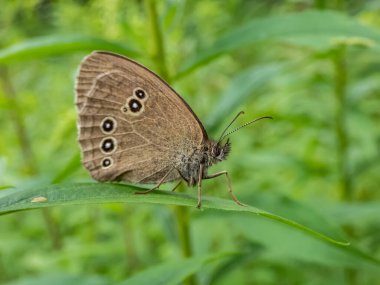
[{"x": 132, "y": 125}]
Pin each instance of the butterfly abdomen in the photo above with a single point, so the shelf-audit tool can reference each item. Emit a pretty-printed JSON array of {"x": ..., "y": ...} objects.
[{"x": 189, "y": 164}]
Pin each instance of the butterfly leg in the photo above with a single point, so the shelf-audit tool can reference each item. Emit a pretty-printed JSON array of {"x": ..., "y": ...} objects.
[
  {"x": 157, "y": 186},
  {"x": 229, "y": 185},
  {"x": 200, "y": 186}
]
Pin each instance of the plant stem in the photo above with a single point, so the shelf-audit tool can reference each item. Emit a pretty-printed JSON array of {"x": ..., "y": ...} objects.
[
  {"x": 3, "y": 272},
  {"x": 183, "y": 223},
  {"x": 341, "y": 127},
  {"x": 346, "y": 190},
  {"x": 320, "y": 4},
  {"x": 53, "y": 229},
  {"x": 340, "y": 5},
  {"x": 133, "y": 261},
  {"x": 17, "y": 119},
  {"x": 159, "y": 56},
  {"x": 158, "y": 48},
  {"x": 26, "y": 149}
]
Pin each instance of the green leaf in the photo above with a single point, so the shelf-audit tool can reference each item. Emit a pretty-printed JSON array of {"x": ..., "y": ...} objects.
[
  {"x": 58, "y": 45},
  {"x": 61, "y": 279},
  {"x": 171, "y": 272},
  {"x": 284, "y": 243},
  {"x": 69, "y": 168},
  {"x": 95, "y": 193},
  {"x": 245, "y": 85},
  {"x": 313, "y": 29},
  {"x": 3, "y": 187},
  {"x": 358, "y": 213},
  {"x": 297, "y": 210}
]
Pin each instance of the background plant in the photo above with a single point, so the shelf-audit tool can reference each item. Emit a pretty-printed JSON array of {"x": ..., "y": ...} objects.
[{"x": 312, "y": 65}]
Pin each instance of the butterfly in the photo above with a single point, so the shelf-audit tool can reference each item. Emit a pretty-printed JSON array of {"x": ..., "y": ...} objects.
[{"x": 134, "y": 127}]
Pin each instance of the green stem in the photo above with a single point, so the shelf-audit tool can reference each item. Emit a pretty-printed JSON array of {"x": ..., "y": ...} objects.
[
  {"x": 158, "y": 48},
  {"x": 320, "y": 4},
  {"x": 18, "y": 121},
  {"x": 26, "y": 149},
  {"x": 53, "y": 229},
  {"x": 340, "y": 68},
  {"x": 133, "y": 261},
  {"x": 3, "y": 272},
  {"x": 341, "y": 128},
  {"x": 183, "y": 224},
  {"x": 159, "y": 56},
  {"x": 340, "y": 5}
]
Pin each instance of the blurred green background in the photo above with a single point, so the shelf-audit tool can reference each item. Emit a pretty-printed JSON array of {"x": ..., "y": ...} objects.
[{"x": 312, "y": 65}]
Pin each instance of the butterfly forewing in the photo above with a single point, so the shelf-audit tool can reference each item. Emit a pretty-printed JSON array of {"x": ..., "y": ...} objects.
[{"x": 132, "y": 125}]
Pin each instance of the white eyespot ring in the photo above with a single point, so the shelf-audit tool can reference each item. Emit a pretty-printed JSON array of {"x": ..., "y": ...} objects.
[
  {"x": 107, "y": 162},
  {"x": 108, "y": 125},
  {"x": 135, "y": 106},
  {"x": 108, "y": 145},
  {"x": 140, "y": 93}
]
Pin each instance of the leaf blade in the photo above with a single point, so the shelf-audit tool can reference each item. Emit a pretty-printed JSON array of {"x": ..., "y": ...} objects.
[
  {"x": 312, "y": 29},
  {"x": 58, "y": 45},
  {"x": 241, "y": 88},
  {"x": 96, "y": 193},
  {"x": 171, "y": 272}
]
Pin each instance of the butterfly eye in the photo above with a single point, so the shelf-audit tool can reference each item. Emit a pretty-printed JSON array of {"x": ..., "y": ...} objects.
[{"x": 215, "y": 151}]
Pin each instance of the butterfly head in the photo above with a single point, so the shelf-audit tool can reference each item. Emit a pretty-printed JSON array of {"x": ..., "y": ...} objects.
[{"x": 218, "y": 151}]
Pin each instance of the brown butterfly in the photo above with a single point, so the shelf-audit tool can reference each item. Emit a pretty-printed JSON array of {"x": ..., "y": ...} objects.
[{"x": 134, "y": 127}]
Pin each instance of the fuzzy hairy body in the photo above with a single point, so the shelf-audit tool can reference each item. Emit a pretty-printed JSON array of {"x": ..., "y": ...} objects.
[{"x": 188, "y": 166}]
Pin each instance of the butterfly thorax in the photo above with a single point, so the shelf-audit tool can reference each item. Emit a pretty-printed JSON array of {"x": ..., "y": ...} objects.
[
  {"x": 217, "y": 152},
  {"x": 211, "y": 152}
]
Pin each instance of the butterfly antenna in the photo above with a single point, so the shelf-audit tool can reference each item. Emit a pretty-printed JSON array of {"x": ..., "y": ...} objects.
[
  {"x": 233, "y": 120},
  {"x": 246, "y": 124}
]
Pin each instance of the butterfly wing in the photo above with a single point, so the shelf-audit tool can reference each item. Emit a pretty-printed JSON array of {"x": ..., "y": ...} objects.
[{"x": 132, "y": 125}]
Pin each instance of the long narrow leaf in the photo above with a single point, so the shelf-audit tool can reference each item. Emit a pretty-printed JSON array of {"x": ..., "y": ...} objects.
[
  {"x": 3, "y": 187},
  {"x": 58, "y": 45},
  {"x": 58, "y": 278},
  {"x": 245, "y": 85},
  {"x": 95, "y": 193},
  {"x": 314, "y": 29},
  {"x": 171, "y": 272}
]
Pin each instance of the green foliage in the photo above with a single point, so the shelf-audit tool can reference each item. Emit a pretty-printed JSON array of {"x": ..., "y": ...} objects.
[
  {"x": 78, "y": 194},
  {"x": 57, "y": 45},
  {"x": 313, "y": 29},
  {"x": 172, "y": 272},
  {"x": 243, "y": 86},
  {"x": 313, "y": 169}
]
